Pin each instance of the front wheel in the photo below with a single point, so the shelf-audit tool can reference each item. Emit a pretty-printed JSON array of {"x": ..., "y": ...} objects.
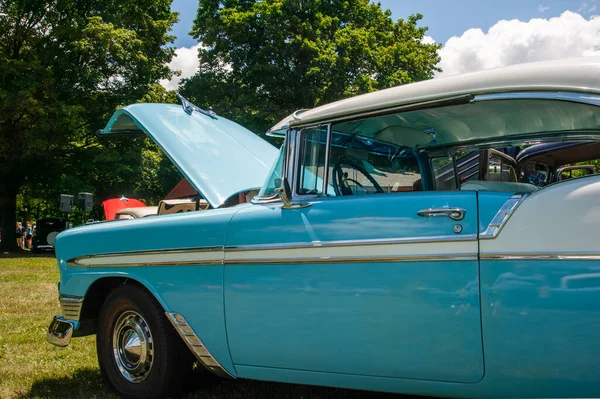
[{"x": 139, "y": 352}]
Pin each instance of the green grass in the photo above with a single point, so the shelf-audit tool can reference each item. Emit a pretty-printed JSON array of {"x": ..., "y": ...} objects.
[{"x": 32, "y": 368}]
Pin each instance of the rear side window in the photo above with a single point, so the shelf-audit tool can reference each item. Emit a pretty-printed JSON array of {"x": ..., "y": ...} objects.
[
  {"x": 443, "y": 171},
  {"x": 499, "y": 169}
]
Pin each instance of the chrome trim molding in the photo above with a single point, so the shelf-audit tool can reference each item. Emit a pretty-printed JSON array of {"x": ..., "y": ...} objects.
[
  {"x": 354, "y": 259},
  {"x": 498, "y": 221},
  {"x": 584, "y": 98},
  {"x": 343, "y": 243},
  {"x": 192, "y": 341},
  {"x": 71, "y": 307},
  {"x": 327, "y": 154},
  {"x": 452, "y": 213},
  {"x": 269, "y": 199},
  {"x": 187, "y": 256},
  {"x": 540, "y": 256},
  {"x": 201, "y": 255}
]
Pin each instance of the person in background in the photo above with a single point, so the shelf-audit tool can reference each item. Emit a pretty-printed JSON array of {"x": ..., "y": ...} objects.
[
  {"x": 531, "y": 175},
  {"x": 19, "y": 233},
  {"x": 24, "y": 234},
  {"x": 28, "y": 235}
]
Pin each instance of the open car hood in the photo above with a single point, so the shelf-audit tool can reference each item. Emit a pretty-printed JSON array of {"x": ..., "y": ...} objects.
[{"x": 217, "y": 156}]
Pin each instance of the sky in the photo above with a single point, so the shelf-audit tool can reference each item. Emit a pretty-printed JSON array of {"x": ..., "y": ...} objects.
[{"x": 475, "y": 34}]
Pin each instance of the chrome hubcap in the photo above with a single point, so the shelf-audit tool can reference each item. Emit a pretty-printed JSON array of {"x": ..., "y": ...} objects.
[{"x": 133, "y": 348}]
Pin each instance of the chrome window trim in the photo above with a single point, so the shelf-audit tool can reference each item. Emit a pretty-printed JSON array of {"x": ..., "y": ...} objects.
[
  {"x": 299, "y": 158},
  {"x": 193, "y": 342},
  {"x": 502, "y": 216},
  {"x": 583, "y": 98},
  {"x": 326, "y": 166}
]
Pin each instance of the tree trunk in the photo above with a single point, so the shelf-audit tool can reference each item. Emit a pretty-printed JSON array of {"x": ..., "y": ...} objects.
[{"x": 8, "y": 218}]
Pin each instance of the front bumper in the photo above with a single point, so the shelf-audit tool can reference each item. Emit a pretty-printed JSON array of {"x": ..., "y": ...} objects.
[
  {"x": 59, "y": 332},
  {"x": 63, "y": 326}
]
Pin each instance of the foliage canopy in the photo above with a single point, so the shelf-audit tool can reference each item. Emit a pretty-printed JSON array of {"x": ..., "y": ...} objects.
[
  {"x": 262, "y": 60},
  {"x": 65, "y": 66}
]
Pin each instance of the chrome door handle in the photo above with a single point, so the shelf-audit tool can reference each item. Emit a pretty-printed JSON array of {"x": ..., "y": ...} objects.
[{"x": 452, "y": 213}]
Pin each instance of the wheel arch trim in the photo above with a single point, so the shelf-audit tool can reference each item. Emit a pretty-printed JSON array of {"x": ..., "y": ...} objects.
[{"x": 208, "y": 360}]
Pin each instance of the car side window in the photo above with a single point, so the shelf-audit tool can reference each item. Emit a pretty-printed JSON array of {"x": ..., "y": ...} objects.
[
  {"x": 313, "y": 148},
  {"x": 355, "y": 165},
  {"x": 500, "y": 170},
  {"x": 274, "y": 179},
  {"x": 443, "y": 172},
  {"x": 359, "y": 166}
]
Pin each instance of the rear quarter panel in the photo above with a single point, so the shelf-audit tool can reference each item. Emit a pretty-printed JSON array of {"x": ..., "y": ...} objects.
[{"x": 540, "y": 288}]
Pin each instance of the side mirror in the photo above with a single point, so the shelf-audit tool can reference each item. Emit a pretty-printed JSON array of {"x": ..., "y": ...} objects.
[{"x": 285, "y": 193}]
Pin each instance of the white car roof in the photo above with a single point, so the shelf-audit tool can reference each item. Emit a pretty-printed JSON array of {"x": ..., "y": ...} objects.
[{"x": 571, "y": 75}]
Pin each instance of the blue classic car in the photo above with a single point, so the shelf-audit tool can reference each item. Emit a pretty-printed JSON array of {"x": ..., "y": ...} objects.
[{"x": 356, "y": 265}]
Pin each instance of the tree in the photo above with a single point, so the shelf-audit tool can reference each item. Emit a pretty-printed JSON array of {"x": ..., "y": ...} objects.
[
  {"x": 262, "y": 60},
  {"x": 65, "y": 66}
]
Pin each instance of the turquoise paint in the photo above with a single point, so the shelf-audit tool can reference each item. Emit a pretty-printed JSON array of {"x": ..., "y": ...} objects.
[
  {"x": 217, "y": 156},
  {"x": 401, "y": 327},
  {"x": 407, "y": 319},
  {"x": 489, "y": 204},
  {"x": 194, "y": 291},
  {"x": 540, "y": 323}
]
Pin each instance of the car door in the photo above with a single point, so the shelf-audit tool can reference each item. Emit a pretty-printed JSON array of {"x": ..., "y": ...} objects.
[{"x": 378, "y": 282}]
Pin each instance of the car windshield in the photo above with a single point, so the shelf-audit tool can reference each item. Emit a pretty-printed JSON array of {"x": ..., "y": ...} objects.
[{"x": 274, "y": 179}]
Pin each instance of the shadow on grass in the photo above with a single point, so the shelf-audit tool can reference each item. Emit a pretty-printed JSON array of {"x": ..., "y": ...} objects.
[
  {"x": 204, "y": 386},
  {"x": 27, "y": 254},
  {"x": 88, "y": 383},
  {"x": 85, "y": 383}
]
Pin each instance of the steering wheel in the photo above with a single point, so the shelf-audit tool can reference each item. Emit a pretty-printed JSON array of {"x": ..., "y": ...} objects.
[{"x": 340, "y": 178}]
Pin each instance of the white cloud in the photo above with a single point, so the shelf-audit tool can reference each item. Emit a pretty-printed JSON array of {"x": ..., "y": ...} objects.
[
  {"x": 186, "y": 61},
  {"x": 513, "y": 42},
  {"x": 542, "y": 8},
  {"x": 428, "y": 40}
]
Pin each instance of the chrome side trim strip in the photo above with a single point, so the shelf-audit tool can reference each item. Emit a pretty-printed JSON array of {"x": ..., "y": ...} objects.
[
  {"x": 498, "y": 221},
  {"x": 194, "y": 343},
  {"x": 538, "y": 256},
  {"x": 186, "y": 256},
  {"x": 343, "y": 243},
  {"x": 71, "y": 307},
  {"x": 214, "y": 255},
  {"x": 354, "y": 259}
]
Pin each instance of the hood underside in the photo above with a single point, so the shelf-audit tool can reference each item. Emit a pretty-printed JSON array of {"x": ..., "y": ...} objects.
[{"x": 217, "y": 156}]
